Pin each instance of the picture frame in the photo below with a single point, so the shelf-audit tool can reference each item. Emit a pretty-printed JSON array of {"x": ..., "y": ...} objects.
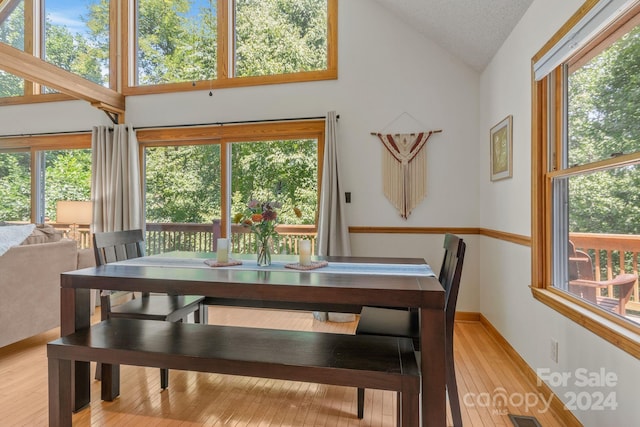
[{"x": 501, "y": 149}]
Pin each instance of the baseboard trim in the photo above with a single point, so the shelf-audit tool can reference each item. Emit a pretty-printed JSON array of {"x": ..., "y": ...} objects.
[
  {"x": 467, "y": 316},
  {"x": 556, "y": 406}
]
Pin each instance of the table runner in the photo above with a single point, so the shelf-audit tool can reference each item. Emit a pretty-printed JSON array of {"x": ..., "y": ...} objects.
[{"x": 277, "y": 265}]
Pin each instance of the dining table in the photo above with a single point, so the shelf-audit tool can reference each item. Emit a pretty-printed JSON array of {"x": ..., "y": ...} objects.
[{"x": 343, "y": 283}]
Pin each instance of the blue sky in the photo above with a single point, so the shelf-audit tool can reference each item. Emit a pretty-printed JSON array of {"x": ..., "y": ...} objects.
[{"x": 68, "y": 12}]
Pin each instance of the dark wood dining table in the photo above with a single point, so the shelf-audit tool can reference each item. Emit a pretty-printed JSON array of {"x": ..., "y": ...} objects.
[{"x": 273, "y": 288}]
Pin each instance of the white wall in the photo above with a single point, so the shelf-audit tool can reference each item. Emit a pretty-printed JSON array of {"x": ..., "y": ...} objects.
[{"x": 505, "y": 268}]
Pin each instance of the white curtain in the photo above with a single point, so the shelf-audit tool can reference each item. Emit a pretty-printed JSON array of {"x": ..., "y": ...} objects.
[
  {"x": 115, "y": 179},
  {"x": 333, "y": 231}
]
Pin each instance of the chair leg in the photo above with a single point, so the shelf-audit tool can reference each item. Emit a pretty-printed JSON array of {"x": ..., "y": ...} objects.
[
  {"x": 360, "y": 403},
  {"x": 98, "y": 371},
  {"x": 452, "y": 386},
  {"x": 164, "y": 378}
]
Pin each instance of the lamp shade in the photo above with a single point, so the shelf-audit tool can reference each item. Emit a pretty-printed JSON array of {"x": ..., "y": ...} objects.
[{"x": 74, "y": 212}]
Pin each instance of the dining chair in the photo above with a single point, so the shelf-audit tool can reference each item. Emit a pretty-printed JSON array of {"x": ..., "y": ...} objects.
[
  {"x": 123, "y": 245},
  {"x": 406, "y": 322}
]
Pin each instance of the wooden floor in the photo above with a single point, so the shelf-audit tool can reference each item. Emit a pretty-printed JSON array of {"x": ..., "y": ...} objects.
[{"x": 485, "y": 374}]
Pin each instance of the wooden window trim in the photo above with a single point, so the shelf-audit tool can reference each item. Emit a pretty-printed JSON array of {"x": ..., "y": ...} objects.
[{"x": 617, "y": 331}]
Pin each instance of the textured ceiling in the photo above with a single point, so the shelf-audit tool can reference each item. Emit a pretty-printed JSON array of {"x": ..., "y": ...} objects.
[{"x": 472, "y": 30}]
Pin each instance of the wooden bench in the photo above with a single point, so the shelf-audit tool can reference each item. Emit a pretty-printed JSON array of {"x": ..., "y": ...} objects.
[{"x": 386, "y": 363}]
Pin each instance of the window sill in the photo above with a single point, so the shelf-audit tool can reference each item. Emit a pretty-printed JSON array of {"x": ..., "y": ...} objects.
[{"x": 616, "y": 331}]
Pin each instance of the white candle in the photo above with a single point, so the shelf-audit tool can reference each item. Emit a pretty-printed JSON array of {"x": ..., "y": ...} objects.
[
  {"x": 305, "y": 251},
  {"x": 223, "y": 250}
]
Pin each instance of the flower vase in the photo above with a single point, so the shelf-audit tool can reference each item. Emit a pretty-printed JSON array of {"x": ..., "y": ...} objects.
[{"x": 264, "y": 252}]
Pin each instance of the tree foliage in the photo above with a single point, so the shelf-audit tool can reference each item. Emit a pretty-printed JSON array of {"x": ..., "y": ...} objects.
[{"x": 604, "y": 121}]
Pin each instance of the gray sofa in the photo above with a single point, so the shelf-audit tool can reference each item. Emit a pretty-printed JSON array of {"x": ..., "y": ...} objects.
[{"x": 30, "y": 285}]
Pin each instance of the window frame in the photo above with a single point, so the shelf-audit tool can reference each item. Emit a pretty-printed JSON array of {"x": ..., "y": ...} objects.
[
  {"x": 232, "y": 133},
  {"x": 546, "y": 165},
  {"x": 225, "y": 53}
]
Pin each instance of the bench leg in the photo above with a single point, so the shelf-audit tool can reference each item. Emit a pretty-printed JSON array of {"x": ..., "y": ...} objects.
[
  {"x": 110, "y": 385},
  {"x": 60, "y": 405},
  {"x": 360, "y": 403},
  {"x": 409, "y": 409}
]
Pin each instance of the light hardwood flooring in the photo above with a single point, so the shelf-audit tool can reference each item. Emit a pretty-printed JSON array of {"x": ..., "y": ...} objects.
[{"x": 200, "y": 399}]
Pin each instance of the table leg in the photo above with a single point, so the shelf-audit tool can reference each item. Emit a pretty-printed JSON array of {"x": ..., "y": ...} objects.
[{"x": 434, "y": 400}]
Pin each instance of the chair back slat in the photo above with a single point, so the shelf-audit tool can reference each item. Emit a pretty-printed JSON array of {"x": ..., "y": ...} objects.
[
  {"x": 451, "y": 271},
  {"x": 118, "y": 246}
]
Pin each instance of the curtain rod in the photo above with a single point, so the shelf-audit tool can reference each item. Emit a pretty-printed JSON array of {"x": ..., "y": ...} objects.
[
  {"x": 169, "y": 126},
  {"x": 45, "y": 133},
  {"x": 289, "y": 119}
]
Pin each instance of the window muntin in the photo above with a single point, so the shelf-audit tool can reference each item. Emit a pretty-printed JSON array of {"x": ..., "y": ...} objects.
[
  {"x": 15, "y": 186},
  {"x": 175, "y": 41},
  {"x": 12, "y": 33},
  {"x": 280, "y": 37}
]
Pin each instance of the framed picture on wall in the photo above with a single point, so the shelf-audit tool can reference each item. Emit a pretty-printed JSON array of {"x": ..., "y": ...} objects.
[{"x": 501, "y": 149}]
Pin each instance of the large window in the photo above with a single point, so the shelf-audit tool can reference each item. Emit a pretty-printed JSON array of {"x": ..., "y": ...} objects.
[
  {"x": 38, "y": 171},
  {"x": 196, "y": 181},
  {"x": 74, "y": 35},
  {"x": 204, "y": 44},
  {"x": 587, "y": 160},
  {"x": 168, "y": 46}
]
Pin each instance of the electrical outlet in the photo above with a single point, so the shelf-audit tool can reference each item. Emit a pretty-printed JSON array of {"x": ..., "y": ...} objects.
[{"x": 554, "y": 350}]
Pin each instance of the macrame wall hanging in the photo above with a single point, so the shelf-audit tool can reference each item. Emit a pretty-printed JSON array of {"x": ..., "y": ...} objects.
[{"x": 404, "y": 168}]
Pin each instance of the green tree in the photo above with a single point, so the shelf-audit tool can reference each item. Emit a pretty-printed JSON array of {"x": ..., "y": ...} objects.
[
  {"x": 15, "y": 186},
  {"x": 280, "y": 36},
  {"x": 604, "y": 121}
]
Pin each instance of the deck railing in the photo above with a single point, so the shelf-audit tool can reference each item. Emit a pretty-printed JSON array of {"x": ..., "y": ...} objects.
[
  {"x": 612, "y": 254},
  {"x": 167, "y": 237}
]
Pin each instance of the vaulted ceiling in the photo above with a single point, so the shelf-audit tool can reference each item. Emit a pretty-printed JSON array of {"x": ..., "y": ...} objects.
[{"x": 472, "y": 30}]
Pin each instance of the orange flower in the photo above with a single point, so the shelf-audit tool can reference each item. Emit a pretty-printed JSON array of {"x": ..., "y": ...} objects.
[{"x": 256, "y": 217}]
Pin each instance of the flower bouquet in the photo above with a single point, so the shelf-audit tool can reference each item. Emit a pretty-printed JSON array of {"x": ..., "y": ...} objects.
[{"x": 261, "y": 218}]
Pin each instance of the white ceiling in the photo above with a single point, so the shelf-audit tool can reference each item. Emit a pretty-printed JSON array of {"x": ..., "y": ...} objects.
[{"x": 472, "y": 30}]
